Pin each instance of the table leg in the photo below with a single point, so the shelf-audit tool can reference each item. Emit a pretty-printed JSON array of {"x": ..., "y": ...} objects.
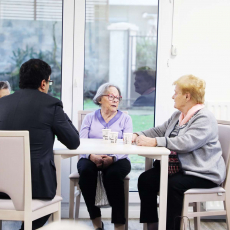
[
  {"x": 57, "y": 160},
  {"x": 163, "y": 193},
  {"x": 148, "y": 165}
]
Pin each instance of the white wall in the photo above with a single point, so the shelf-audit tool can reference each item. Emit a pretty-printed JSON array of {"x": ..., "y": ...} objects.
[{"x": 201, "y": 33}]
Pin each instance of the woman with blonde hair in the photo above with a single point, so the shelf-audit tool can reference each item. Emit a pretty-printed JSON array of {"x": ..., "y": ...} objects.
[{"x": 195, "y": 161}]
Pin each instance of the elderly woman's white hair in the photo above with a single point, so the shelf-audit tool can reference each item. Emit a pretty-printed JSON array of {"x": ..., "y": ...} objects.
[
  {"x": 102, "y": 90},
  {"x": 5, "y": 85}
]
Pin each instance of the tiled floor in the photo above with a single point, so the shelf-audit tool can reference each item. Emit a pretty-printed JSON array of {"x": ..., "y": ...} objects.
[{"x": 133, "y": 224}]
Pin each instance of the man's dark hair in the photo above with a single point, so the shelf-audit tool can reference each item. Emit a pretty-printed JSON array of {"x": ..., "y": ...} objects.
[
  {"x": 32, "y": 73},
  {"x": 147, "y": 73}
]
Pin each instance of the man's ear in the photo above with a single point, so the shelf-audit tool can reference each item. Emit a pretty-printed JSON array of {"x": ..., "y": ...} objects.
[{"x": 43, "y": 85}]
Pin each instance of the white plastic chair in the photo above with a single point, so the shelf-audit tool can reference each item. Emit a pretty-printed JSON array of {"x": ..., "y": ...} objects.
[
  {"x": 214, "y": 194},
  {"x": 74, "y": 179},
  {"x": 15, "y": 180}
]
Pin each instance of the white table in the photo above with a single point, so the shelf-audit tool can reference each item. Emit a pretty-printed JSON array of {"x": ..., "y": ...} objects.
[{"x": 98, "y": 146}]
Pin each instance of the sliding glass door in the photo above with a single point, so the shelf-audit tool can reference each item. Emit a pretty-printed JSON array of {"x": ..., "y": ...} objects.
[{"x": 120, "y": 47}]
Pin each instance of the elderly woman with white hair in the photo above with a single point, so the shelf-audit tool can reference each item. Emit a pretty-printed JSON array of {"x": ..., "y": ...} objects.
[
  {"x": 115, "y": 167},
  {"x": 195, "y": 161},
  {"x": 4, "y": 88}
]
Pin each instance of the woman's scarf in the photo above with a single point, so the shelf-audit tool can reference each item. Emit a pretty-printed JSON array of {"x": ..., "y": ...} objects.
[{"x": 183, "y": 120}]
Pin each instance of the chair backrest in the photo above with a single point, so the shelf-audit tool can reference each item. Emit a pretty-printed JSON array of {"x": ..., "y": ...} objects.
[
  {"x": 15, "y": 169},
  {"x": 81, "y": 116},
  {"x": 224, "y": 138}
]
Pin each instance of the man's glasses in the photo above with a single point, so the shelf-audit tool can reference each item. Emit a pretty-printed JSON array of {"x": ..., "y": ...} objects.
[
  {"x": 111, "y": 97},
  {"x": 50, "y": 82}
]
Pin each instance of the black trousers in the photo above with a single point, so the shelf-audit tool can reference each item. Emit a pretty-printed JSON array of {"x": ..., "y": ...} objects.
[
  {"x": 148, "y": 187},
  {"x": 113, "y": 179},
  {"x": 36, "y": 223}
]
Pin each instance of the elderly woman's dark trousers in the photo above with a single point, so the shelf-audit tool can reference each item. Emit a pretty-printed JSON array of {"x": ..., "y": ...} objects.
[
  {"x": 148, "y": 186},
  {"x": 113, "y": 179}
]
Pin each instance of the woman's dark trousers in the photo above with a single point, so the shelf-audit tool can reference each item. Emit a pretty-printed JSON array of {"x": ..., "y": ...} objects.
[
  {"x": 113, "y": 179},
  {"x": 148, "y": 186}
]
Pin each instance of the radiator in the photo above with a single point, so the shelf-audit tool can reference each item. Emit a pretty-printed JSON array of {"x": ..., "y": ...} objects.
[{"x": 221, "y": 111}]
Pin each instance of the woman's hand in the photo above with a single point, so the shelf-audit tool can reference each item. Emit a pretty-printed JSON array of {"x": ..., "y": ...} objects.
[
  {"x": 134, "y": 137},
  {"x": 146, "y": 141},
  {"x": 107, "y": 161},
  {"x": 97, "y": 159}
]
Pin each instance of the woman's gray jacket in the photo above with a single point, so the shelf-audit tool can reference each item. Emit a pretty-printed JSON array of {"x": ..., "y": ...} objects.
[{"x": 197, "y": 145}]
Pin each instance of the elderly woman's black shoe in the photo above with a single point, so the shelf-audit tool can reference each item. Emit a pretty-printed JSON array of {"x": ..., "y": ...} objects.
[{"x": 102, "y": 228}]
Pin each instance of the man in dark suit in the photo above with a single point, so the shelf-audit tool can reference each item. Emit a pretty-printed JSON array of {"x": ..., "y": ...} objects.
[{"x": 32, "y": 109}]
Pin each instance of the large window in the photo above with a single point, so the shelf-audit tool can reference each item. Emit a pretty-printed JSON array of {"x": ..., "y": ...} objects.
[
  {"x": 120, "y": 47},
  {"x": 30, "y": 29}
]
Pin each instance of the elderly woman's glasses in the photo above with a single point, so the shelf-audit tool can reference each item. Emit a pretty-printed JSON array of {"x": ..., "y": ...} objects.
[{"x": 111, "y": 97}]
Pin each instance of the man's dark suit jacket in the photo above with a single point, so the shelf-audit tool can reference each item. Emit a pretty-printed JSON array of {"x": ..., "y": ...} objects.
[
  {"x": 43, "y": 116},
  {"x": 145, "y": 100}
]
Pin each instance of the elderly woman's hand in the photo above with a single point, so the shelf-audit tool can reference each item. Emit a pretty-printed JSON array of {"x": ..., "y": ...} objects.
[
  {"x": 134, "y": 137},
  {"x": 107, "y": 161},
  {"x": 146, "y": 141},
  {"x": 97, "y": 159}
]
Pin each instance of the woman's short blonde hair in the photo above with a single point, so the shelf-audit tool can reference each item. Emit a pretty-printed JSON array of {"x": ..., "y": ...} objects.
[{"x": 193, "y": 85}]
